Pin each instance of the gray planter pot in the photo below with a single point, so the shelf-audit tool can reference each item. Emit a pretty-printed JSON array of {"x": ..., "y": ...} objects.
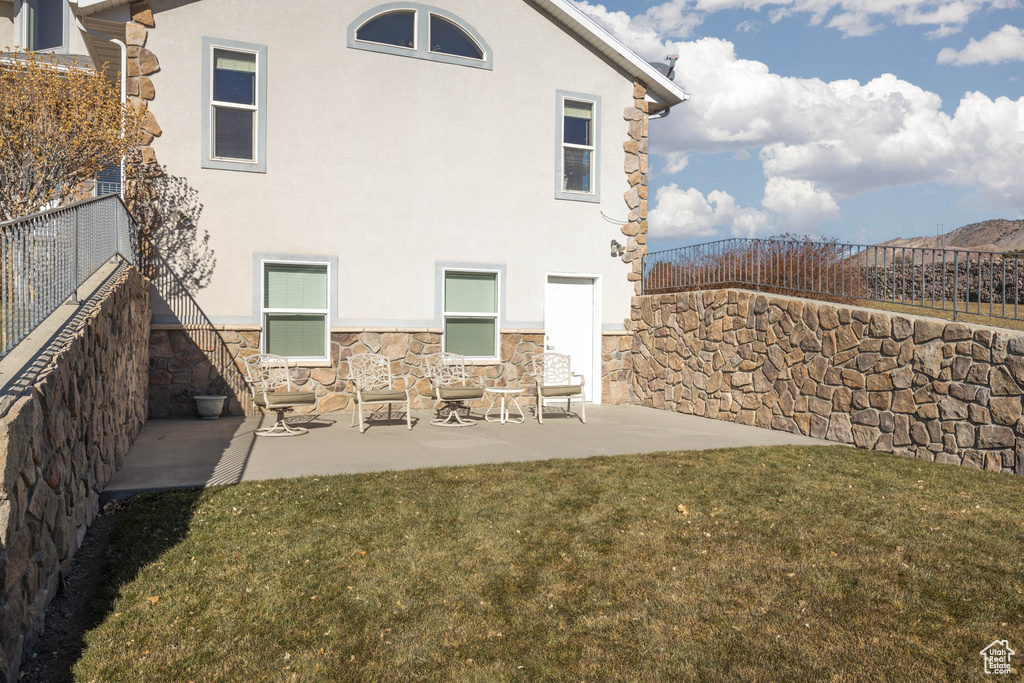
[{"x": 209, "y": 407}]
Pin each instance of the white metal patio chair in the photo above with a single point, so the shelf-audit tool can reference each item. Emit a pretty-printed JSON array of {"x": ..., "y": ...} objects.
[
  {"x": 451, "y": 388},
  {"x": 273, "y": 388},
  {"x": 554, "y": 377},
  {"x": 371, "y": 375}
]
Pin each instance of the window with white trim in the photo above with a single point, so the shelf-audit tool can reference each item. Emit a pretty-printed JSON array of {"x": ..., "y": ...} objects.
[
  {"x": 411, "y": 29},
  {"x": 44, "y": 25},
  {"x": 391, "y": 28},
  {"x": 578, "y": 129},
  {"x": 471, "y": 313},
  {"x": 295, "y": 310},
  {"x": 234, "y": 112}
]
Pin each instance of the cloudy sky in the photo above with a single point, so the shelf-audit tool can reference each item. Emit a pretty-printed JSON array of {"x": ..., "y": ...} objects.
[{"x": 856, "y": 119}]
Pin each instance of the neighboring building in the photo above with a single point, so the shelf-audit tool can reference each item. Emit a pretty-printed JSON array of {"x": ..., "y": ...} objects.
[{"x": 399, "y": 176}]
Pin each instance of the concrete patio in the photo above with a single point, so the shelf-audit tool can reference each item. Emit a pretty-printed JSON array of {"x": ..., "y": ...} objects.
[{"x": 191, "y": 453}]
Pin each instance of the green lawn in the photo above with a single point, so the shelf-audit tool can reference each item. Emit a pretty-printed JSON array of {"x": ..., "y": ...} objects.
[{"x": 782, "y": 563}]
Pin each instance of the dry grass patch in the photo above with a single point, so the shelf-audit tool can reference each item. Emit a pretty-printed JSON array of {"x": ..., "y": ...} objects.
[{"x": 762, "y": 563}]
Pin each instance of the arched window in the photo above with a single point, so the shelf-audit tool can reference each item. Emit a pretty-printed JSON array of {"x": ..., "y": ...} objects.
[
  {"x": 391, "y": 28},
  {"x": 411, "y": 29},
  {"x": 448, "y": 38}
]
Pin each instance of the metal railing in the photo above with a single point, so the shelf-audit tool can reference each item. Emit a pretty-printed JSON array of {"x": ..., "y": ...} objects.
[
  {"x": 956, "y": 280},
  {"x": 45, "y": 257}
]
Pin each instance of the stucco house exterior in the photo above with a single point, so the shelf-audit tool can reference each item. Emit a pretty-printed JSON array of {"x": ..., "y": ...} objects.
[{"x": 399, "y": 177}]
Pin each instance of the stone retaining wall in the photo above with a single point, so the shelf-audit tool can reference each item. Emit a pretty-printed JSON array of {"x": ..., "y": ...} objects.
[
  {"x": 184, "y": 363},
  {"x": 918, "y": 387},
  {"x": 60, "y": 443}
]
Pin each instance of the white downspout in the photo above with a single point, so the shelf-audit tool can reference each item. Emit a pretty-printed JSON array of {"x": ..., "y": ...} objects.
[{"x": 124, "y": 69}]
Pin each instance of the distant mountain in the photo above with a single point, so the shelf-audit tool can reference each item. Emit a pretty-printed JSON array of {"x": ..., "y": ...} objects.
[{"x": 997, "y": 235}]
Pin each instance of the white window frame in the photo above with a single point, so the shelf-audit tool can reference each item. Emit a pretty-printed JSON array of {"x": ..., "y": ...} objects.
[
  {"x": 445, "y": 313},
  {"x": 594, "y": 194},
  {"x": 421, "y": 39},
  {"x": 300, "y": 311},
  {"x": 258, "y": 164},
  {"x": 458, "y": 25},
  {"x": 21, "y": 23},
  {"x": 395, "y": 10}
]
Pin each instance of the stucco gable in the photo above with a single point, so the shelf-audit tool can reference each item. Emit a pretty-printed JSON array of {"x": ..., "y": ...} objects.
[{"x": 660, "y": 88}]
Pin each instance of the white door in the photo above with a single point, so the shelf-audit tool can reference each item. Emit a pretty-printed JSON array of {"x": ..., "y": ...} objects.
[{"x": 570, "y": 325}]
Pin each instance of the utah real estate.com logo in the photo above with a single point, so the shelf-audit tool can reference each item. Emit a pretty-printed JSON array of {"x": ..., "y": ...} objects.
[{"x": 997, "y": 657}]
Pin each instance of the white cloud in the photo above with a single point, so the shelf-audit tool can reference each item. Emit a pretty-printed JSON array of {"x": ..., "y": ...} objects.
[
  {"x": 847, "y": 137},
  {"x": 684, "y": 213},
  {"x": 676, "y": 19},
  {"x": 819, "y": 142},
  {"x": 942, "y": 32},
  {"x": 798, "y": 204},
  {"x": 1004, "y": 45},
  {"x": 854, "y": 24},
  {"x": 676, "y": 162},
  {"x": 788, "y": 205},
  {"x": 644, "y": 33}
]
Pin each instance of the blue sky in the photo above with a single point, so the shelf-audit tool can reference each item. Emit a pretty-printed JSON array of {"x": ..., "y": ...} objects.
[{"x": 862, "y": 120}]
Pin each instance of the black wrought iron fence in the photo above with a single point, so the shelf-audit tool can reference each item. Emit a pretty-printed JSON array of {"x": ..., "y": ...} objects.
[
  {"x": 45, "y": 257},
  {"x": 956, "y": 280}
]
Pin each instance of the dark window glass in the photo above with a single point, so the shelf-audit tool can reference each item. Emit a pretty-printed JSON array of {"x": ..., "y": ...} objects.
[
  {"x": 447, "y": 38},
  {"x": 234, "y": 77},
  {"x": 45, "y": 24},
  {"x": 577, "y": 119},
  {"x": 394, "y": 28},
  {"x": 232, "y": 133},
  {"x": 576, "y": 168}
]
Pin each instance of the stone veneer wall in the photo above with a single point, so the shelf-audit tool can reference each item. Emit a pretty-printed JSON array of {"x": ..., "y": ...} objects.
[
  {"x": 141, "y": 64},
  {"x": 918, "y": 387},
  {"x": 184, "y": 363},
  {"x": 635, "y": 166},
  {"x": 60, "y": 443}
]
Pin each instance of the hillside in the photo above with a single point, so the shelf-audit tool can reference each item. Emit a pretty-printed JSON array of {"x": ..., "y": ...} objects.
[{"x": 998, "y": 235}]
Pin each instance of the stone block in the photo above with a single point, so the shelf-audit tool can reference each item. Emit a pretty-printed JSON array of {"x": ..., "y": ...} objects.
[
  {"x": 952, "y": 409},
  {"x": 853, "y": 379},
  {"x": 1005, "y": 410},
  {"x": 135, "y": 34},
  {"x": 148, "y": 63},
  {"x": 818, "y": 427},
  {"x": 865, "y": 437},
  {"x": 919, "y": 433},
  {"x": 142, "y": 14},
  {"x": 926, "y": 330},
  {"x": 965, "y": 435},
  {"x": 879, "y": 383},
  {"x": 839, "y": 428},
  {"x": 1002, "y": 382},
  {"x": 995, "y": 436},
  {"x": 901, "y": 328},
  {"x": 928, "y": 360},
  {"x": 865, "y": 417},
  {"x": 882, "y": 400},
  {"x": 978, "y": 414},
  {"x": 828, "y": 317}
]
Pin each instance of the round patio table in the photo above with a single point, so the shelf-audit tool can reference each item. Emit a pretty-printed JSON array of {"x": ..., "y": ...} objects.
[{"x": 507, "y": 398}]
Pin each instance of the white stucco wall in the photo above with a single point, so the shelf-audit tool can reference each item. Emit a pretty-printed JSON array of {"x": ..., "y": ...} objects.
[
  {"x": 392, "y": 164},
  {"x": 6, "y": 24}
]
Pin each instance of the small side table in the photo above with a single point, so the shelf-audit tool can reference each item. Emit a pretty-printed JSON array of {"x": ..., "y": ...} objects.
[{"x": 506, "y": 396}]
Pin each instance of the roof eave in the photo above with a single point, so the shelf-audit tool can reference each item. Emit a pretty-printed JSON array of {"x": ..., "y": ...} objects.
[
  {"x": 87, "y": 7},
  {"x": 658, "y": 86},
  {"x": 663, "y": 90}
]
